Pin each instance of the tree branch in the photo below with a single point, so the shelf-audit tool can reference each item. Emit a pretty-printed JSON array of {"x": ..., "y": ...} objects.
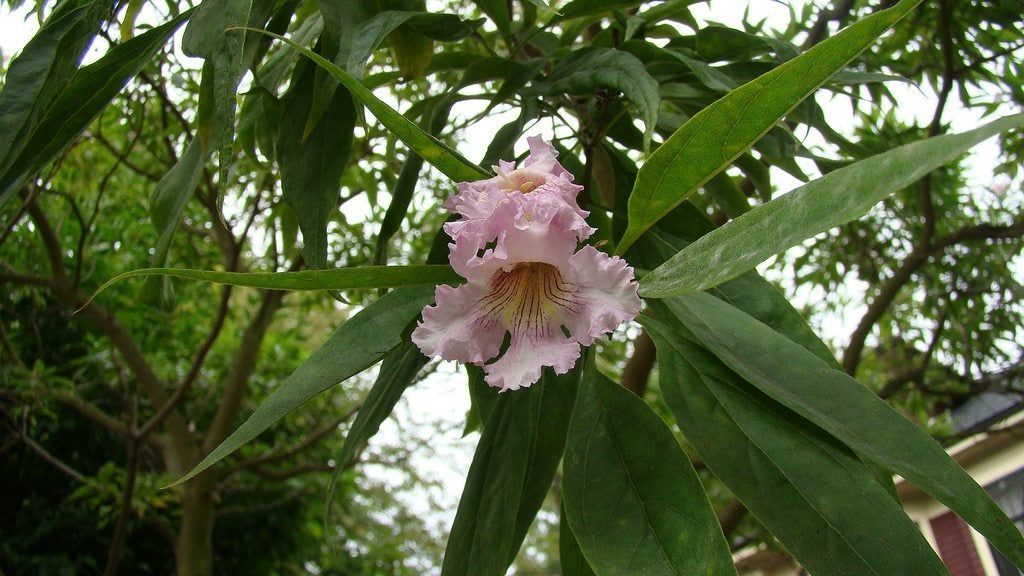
[
  {"x": 917, "y": 258},
  {"x": 638, "y": 368},
  {"x": 45, "y": 455},
  {"x": 103, "y": 319},
  {"x": 90, "y": 411},
  {"x": 306, "y": 443},
  {"x": 242, "y": 366},
  {"x": 193, "y": 373},
  {"x": 825, "y": 17},
  {"x": 731, "y": 515}
]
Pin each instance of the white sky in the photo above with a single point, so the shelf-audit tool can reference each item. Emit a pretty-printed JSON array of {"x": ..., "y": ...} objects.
[{"x": 442, "y": 400}]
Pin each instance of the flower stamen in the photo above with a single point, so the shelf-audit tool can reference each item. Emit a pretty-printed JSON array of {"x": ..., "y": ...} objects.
[{"x": 528, "y": 297}]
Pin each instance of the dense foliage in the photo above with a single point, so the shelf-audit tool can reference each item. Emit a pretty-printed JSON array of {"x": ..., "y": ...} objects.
[{"x": 306, "y": 178}]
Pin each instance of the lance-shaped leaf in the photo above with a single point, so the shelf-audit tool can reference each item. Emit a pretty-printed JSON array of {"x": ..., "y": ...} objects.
[
  {"x": 165, "y": 208},
  {"x": 397, "y": 372},
  {"x": 312, "y": 160},
  {"x": 371, "y": 33},
  {"x": 358, "y": 344},
  {"x": 86, "y": 95},
  {"x": 786, "y": 471},
  {"x": 445, "y": 159},
  {"x": 39, "y": 74},
  {"x": 845, "y": 409},
  {"x": 714, "y": 137},
  {"x": 632, "y": 497},
  {"x": 569, "y": 556},
  {"x": 838, "y": 197},
  {"x": 333, "y": 279},
  {"x": 749, "y": 292},
  {"x": 512, "y": 471},
  {"x": 405, "y": 186},
  {"x": 208, "y": 36}
]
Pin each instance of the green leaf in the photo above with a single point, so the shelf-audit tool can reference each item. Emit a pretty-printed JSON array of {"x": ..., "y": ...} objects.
[
  {"x": 482, "y": 399},
  {"x": 498, "y": 12},
  {"x": 836, "y": 198},
  {"x": 512, "y": 471},
  {"x": 587, "y": 69},
  {"x": 333, "y": 279},
  {"x": 405, "y": 186},
  {"x": 570, "y": 558},
  {"x": 312, "y": 164},
  {"x": 749, "y": 292},
  {"x": 811, "y": 491},
  {"x": 448, "y": 161},
  {"x": 515, "y": 76},
  {"x": 845, "y": 409},
  {"x": 36, "y": 78},
  {"x": 583, "y": 8},
  {"x": 397, "y": 372},
  {"x": 208, "y": 36},
  {"x": 714, "y": 43},
  {"x": 502, "y": 146},
  {"x": 714, "y": 137},
  {"x": 632, "y": 497},
  {"x": 358, "y": 344},
  {"x": 708, "y": 75},
  {"x": 166, "y": 205},
  {"x": 371, "y": 33},
  {"x": 90, "y": 91}
]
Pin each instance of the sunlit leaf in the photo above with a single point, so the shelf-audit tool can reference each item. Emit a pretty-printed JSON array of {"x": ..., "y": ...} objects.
[
  {"x": 836, "y": 198},
  {"x": 718, "y": 134},
  {"x": 90, "y": 91}
]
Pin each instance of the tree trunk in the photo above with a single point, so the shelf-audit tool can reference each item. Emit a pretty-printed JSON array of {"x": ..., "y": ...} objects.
[{"x": 194, "y": 552}]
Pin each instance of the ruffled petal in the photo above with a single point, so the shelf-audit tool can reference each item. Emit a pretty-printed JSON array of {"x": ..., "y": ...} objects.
[
  {"x": 455, "y": 329},
  {"x": 543, "y": 156},
  {"x": 526, "y": 357},
  {"x": 548, "y": 202},
  {"x": 476, "y": 199},
  {"x": 508, "y": 237},
  {"x": 606, "y": 293}
]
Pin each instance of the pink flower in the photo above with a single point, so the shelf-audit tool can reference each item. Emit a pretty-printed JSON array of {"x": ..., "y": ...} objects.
[
  {"x": 539, "y": 176},
  {"x": 525, "y": 278}
]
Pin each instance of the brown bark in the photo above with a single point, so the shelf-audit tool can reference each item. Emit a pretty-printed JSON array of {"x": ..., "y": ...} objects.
[
  {"x": 194, "y": 549},
  {"x": 638, "y": 367},
  {"x": 731, "y": 515}
]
